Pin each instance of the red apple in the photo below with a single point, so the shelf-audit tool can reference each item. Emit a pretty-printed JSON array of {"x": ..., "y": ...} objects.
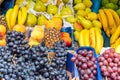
[{"x": 67, "y": 40}]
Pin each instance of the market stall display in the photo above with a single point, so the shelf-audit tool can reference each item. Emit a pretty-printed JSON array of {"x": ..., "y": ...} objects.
[{"x": 59, "y": 40}]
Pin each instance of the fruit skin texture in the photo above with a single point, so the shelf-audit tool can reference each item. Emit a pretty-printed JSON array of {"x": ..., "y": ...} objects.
[
  {"x": 22, "y": 15},
  {"x": 2, "y": 42},
  {"x": 97, "y": 24},
  {"x": 92, "y": 16},
  {"x": 92, "y": 37},
  {"x": 66, "y": 38},
  {"x": 52, "y": 9},
  {"x": 42, "y": 20},
  {"x": 13, "y": 15},
  {"x": 115, "y": 35},
  {"x": 111, "y": 22},
  {"x": 39, "y": 6},
  {"x": 115, "y": 16},
  {"x": 66, "y": 10},
  {"x": 103, "y": 18},
  {"x": 37, "y": 35},
  {"x": 31, "y": 20},
  {"x": 99, "y": 41},
  {"x": 8, "y": 17},
  {"x": 38, "y": 28},
  {"x": 76, "y": 35},
  {"x": 19, "y": 28},
  {"x": 33, "y": 43},
  {"x": 55, "y": 22},
  {"x": 79, "y": 6},
  {"x": 77, "y": 26},
  {"x": 2, "y": 29},
  {"x": 117, "y": 49}
]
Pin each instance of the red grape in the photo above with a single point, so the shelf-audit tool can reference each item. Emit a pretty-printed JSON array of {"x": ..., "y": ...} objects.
[
  {"x": 79, "y": 57},
  {"x": 88, "y": 71},
  {"x": 105, "y": 56},
  {"x": 115, "y": 69},
  {"x": 111, "y": 64},
  {"x": 76, "y": 62},
  {"x": 84, "y": 60},
  {"x": 73, "y": 59},
  {"x": 105, "y": 63},
  {"x": 119, "y": 70},
  {"x": 112, "y": 50},
  {"x": 116, "y": 60},
  {"x": 101, "y": 64},
  {"x": 109, "y": 60},
  {"x": 118, "y": 78},
  {"x": 87, "y": 58},
  {"x": 115, "y": 55},
  {"x": 84, "y": 66},
  {"x": 80, "y": 51},
  {"x": 95, "y": 67},
  {"x": 79, "y": 64},
  {"x": 91, "y": 75},
  {"x": 110, "y": 69},
  {"x": 76, "y": 55},
  {"x": 105, "y": 73},
  {"x": 94, "y": 72},
  {"x": 107, "y": 51},
  {"x": 111, "y": 55},
  {"x": 86, "y": 76},
  {"x": 90, "y": 52},
  {"x": 83, "y": 53},
  {"x": 101, "y": 58},
  {"x": 93, "y": 59},
  {"x": 118, "y": 64},
  {"x": 103, "y": 68},
  {"x": 113, "y": 75},
  {"x": 82, "y": 72}
]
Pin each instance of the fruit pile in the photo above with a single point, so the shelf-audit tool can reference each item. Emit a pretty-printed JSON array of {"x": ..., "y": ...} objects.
[
  {"x": 19, "y": 61},
  {"x": 86, "y": 64},
  {"x": 111, "y": 4},
  {"x": 110, "y": 65}
]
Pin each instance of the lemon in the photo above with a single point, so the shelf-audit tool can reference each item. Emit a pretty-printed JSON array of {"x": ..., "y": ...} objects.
[{"x": 92, "y": 16}]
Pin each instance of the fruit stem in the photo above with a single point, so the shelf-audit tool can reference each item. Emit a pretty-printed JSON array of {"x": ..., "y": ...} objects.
[{"x": 13, "y": 59}]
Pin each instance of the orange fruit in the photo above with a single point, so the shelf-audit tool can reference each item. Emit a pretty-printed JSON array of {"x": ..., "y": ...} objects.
[
  {"x": 3, "y": 29},
  {"x": 19, "y": 28}
]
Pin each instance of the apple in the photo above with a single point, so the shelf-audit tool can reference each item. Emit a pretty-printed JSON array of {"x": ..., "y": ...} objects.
[
  {"x": 67, "y": 40},
  {"x": 65, "y": 34},
  {"x": 77, "y": 26}
]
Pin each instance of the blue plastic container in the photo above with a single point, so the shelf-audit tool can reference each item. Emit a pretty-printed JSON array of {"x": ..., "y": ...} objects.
[
  {"x": 70, "y": 66},
  {"x": 99, "y": 75}
]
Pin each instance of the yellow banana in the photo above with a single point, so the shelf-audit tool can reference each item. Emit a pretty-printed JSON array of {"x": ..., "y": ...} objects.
[
  {"x": 117, "y": 42},
  {"x": 115, "y": 35},
  {"x": 99, "y": 41},
  {"x": 14, "y": 15},
  {"x": 115, "y": 16},
  {"x": 19, "y": 16},
  {"x": 86, "y": 36},
  {"x": 112, "y": 45},
  {"x": 8, "y": 17},
  {"x": 81, "y": 38},
  {"x": 104, "y": 22},
  {"x": 99, "y": 17},
  {"x": 24, "y": 15},
  {"x": 111, "y": 22},
  {"x": 92, "y": 37}
]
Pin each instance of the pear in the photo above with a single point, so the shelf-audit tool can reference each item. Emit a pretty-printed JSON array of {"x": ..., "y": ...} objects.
[
  {"x": 87, "y": 24},
  {"x": 44, "y": 1},
  {"x": 66, "y": 10},
  {"x": 42, "y": 20},
  {"x": 79, "y": 6},
  {"x": 52, "y": 9},
  {"x": 31, "y": 20},
  {"x": 71, "y": 19},
  {"x": 97, "y": 23},
  {"x": 39, "y": 6},
  {"x": 88, "y": 3},
  {"x": 77, "y": 1}
]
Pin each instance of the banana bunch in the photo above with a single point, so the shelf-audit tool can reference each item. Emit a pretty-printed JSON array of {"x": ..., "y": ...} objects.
[
  {"x": 115, "y": 38},
  {"x": 11, "y": 16},
  {"x": 109, "y": 19},
  {"x": 91, "y": 37},
  {"x": 16, "y": 15},
  {"x": 22, "y": 15}
]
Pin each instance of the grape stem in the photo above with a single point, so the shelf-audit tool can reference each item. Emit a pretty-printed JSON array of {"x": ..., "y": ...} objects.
[{"x": 13, "y": 59}]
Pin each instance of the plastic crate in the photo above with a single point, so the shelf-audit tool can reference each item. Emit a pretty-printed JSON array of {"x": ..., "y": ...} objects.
[{"x": 99, "y": 76}]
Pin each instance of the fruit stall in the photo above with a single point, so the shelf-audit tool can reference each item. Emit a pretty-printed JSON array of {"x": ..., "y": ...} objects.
[{"x": 59, "y": 39}]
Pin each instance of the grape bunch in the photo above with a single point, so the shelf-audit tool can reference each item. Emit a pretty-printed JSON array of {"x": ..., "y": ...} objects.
[
  {"x": 109, "y": 63},
  {"x": 86, "y": 64},
  {"x": 61, "y": 53},
  {"x": 16, "y": 42}
]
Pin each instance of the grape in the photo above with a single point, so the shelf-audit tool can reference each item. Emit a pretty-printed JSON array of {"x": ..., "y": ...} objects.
[
  {"x": 105, "y": 63},
  {"x": 113, "y": 75},
  {"x": 107, "y": 51},
  {"x": 94, "y": 72},
  {"x": 105, "y": 56},
  {"x": 109, "y": 60},
  {"x": 73, "y": 59},
  {"x": 114, "y": 69},
  {"x": 101, "y": 58},
  {"x": 105, "y": 73},
  {"x": 110, "y": 69},
  {"x": 112, "y": 50},
  {"x": 86, "y": 76},
  {"x": 83, "y": 60},
  {"x": 84, "y": 66},
  {"x": 101, "y": 64},
  {"x": 116, "y": 60},
  {"x": 103, "y": 68}
]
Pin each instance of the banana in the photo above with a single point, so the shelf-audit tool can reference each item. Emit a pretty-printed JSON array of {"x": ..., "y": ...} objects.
[
  {"x": 117, "y": 42},
  {"x": 99, "y": 41},
  {"x": 115, "y": 16},
  {"x": 14, "y": 16},
  {"x": 104, "y": 22},
  {"x": 81, "y": 39},
  {"x": 92, "y": 37},
  {"x": 99, "y": 17},
  {"x": 111, "y": 22},
  {"x": 112, "y": 45},
  {"x": 8, "y": 13},
  {"x": 19, "y": 16},
  {"x": 24, "y": 15},
  {"x": 115, "y": 35},
  {"x": 86, "y": 36}
]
